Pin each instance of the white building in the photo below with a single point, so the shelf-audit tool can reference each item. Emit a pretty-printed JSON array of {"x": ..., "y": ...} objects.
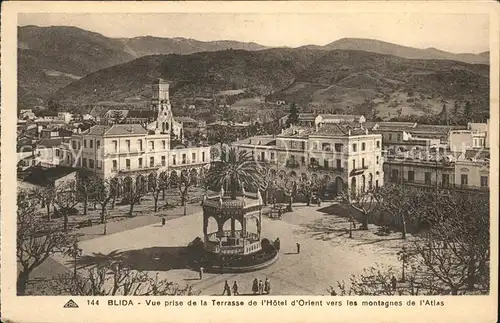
[
  {"x": 343, "y": 155},
  {"x": 128, "y": 149}
]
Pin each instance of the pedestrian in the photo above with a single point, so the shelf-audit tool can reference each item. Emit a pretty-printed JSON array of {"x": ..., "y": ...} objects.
[
  {"x": 226, "y": 289},
  {"x": 201, "y": 273},
  {"x": 267, "y": 286},
  {"x": 279, "y": 213},
  {"x": 235, "y": 289},
  {"x": 261, "y": 287},
  {"x": 298, "y": 248},
  {"x": 278, "y": 244},
  {"x": 163, "y": 221},
  {"x": 319, "y": 201},
  {"x": 255, "y": 286},
  {"x": 394, "y": 282}
]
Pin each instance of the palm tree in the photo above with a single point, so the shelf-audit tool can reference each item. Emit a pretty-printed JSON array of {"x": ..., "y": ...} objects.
[{"x": 238, "y": 168}]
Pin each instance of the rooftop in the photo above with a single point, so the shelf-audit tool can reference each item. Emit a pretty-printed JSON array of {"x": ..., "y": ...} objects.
[
  {"x": 116, "y": 130},
  {"x": 46, "y": 176}
]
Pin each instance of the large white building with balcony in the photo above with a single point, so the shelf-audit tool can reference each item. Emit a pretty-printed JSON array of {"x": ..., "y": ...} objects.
[
  {"x": 344, "y": 155},
  {"x": 128, "y": 149}
]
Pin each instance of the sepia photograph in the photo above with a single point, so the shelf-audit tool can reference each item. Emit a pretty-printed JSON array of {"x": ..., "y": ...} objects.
[{"x": 253, "y": 154}]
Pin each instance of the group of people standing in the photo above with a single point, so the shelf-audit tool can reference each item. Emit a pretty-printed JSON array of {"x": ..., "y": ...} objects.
[{"x": 258, "y": 287}]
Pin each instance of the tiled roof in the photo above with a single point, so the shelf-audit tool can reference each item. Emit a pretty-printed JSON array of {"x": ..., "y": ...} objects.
[
  {"x": 341, "y": 116},
  {"x": 480, "y": 154},
  {"x": 50, "y": 142},
  {"x": 97, "y": 130},
  {"x": 340, "y": 130},
  {"x": 48, "y": 113},
  {"x": 46, "y": 176},
  {"x": 126, "y": 129},
  {"x": 142, "y": 114},
  {"x": 110, "y": 112},
  {"x": 185, "y": 119}
]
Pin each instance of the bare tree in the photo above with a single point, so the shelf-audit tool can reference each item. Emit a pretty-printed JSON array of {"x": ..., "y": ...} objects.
[
  {"x": 185, "y": 182},
  {"x": 113, "y": 279},
  {"x": 157, "y": 183},
  {"x": 288, "y": 185},
  {"x": 103, "y": 193},
  {"x": 84, "y": 183},
  {"x": 133, "y": 195},
  {"x": 267, "y": 183},
  {"x": 36, "y": 240},
  {"x": 401, "y": 201},
  {"x": 66, "y": 198},
  {"x": 308, "y": 186},
  {"x": 366, "y": 202},
  {"x": 46, "y": 196}
]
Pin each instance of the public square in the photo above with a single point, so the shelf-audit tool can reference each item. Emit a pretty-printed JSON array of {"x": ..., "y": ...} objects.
[{"x": 327, "y": 253}]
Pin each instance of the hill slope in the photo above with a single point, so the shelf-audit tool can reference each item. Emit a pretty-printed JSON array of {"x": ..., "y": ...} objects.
[
  {"x": 346, "y": 80},
  {"x": 52, "y": 57},
  {"x": 381, "y": 47}
]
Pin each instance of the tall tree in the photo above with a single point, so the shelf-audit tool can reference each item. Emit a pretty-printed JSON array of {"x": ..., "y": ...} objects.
[
  {"x": 293, "y": 117},
  {"x": 288, "y": 185},
  {"x": 36, "y": 240},
  {"x": 365, "y": 202},
  {"x": 103, "y": 192},
  {"x": 66, "y": 199},
  {"x": 157, "y": 183},
  {"x": 236, "y": 169}
]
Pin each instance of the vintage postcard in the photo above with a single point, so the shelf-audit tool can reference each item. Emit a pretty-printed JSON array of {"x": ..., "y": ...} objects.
[{"x": 249, "y": 161}]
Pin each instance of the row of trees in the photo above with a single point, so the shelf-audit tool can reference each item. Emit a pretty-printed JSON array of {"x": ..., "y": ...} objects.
[
  {"x": 38, "y": 239},
  {"x": 452, "y": 256}
]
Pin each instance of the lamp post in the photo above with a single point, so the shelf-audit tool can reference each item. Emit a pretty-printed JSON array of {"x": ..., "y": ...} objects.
[{"x": 75, "y": 252}]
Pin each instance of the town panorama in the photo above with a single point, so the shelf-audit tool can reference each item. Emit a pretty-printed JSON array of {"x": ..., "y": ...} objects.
[{"x": 232, "y": 168}]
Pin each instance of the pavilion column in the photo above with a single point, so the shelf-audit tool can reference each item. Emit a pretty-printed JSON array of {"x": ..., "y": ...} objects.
[{"x": 233, "y": 227}]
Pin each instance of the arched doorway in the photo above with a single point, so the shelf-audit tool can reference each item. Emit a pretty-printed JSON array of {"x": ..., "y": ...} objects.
[
  {"x": 140, "y": 183},
  {"x": 339, "y": 185},
  {"x": 353, "y": 186},
  {"x": 363, "y": 183},
  {"x": 370, "y": 181}
]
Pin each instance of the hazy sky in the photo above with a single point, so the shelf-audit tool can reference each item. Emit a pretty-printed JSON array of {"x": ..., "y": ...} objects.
[{"x": 451, "y": 32}]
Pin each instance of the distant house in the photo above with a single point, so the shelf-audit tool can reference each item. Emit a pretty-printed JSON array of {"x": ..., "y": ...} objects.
[
  {"x": 322, "y": 119},
  {"x": 50, "y": 177},
  {"x": 113, "y": 114},
  {"x": 65, "y": 116},
  {"x": 140, "y": 116},
  {"x": 48, "y": 115}
]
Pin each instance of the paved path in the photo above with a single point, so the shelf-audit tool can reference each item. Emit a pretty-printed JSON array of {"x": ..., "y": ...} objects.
[{"x": 327, "y": 254}]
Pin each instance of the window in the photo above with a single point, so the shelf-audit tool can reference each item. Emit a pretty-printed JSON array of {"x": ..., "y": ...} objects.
[
  {"x": 115, "y": 165},
  {"x": 115, "y": 145},
  {"x": 183, "y": 158},
  {"x": 428, "y": 178},
  {"x": 91, "y": 163},
  {"x": 484, "y": 181},
  {"x": 339, "y": 163},
  {"x": 325, "y": 147},
  {"x": 193, "y": 158},
  {"x": 84, "y": 143},
  {"x": 73, "y": 144},
  {"x": 390, "y": 136},
  {"x": 139, "y": 144},
  {"x": 127, "y": 164},
  {"x": 272, "y": 156},
  {"x": 98, "y": 164},
  {"x": 58, "y": 152},
  {"x": 363, "y": 146},
  {"x": 463, "y": 179},
  {"x": 163, "y": 161},
  {"x": 399, "y": 136},
  {"x": 394, "y": 175},
  {"x": 378, "y": 144},
  {"x": 127, "y": 142},
  {"x": 325, "y": 164},
  {"x": 203, "y": 156},
  {"x": 140, "y": 162},
  {"x": 303, "y": 160},
  {"x": 445, "y": 180},
  {"x": 378, "y": 159},
  {"x": 67, "y": 159},
  {"x": 354, "y": 163},
  {"x": 164, "y": 144},
  {"x": 151, "y": 161},
  {"x": 303, "y": 145},
  {"x": 339, "y": 148},
  {"x": 174, "y": 160},
  {"x": 354, "y": 147},
  {"x": 98, "y": 144},
  {"x": 362, "y": 162},
  {"x": 262, "y": 156},
  {"x": 91, "y": 143},
  {"x": 84, "y": 162},
  {"x": 411, "y": 176},
  {"x": 151, "y": 145}
]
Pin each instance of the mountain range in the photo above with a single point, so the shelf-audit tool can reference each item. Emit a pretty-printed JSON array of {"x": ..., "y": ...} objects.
[{"x": 75, "y": 65}]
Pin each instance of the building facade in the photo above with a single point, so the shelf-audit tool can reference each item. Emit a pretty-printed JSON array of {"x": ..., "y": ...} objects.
[
  {"x": 132, "y": 149},
  {"x": 343, "y": 156}
]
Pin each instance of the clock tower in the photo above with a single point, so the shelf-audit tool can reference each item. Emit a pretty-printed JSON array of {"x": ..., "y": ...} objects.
[{"x": 160, "y": 102}]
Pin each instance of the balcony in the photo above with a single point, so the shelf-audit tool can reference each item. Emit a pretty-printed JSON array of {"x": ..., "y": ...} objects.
[{"x": 317, "y": 167}]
